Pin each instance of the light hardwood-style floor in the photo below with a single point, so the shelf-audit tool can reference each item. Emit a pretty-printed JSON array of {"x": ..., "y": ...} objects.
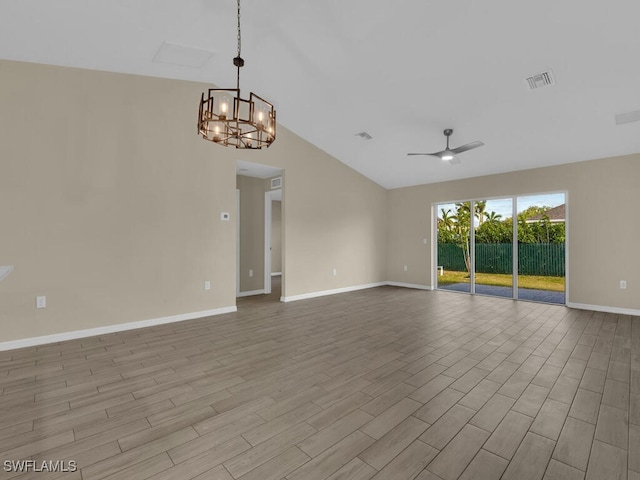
[{"x": 386, "y": 383}]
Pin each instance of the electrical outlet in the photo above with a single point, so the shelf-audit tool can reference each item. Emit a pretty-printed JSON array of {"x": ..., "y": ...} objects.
[
  {"x": 251, "y": 272},
  {"x": 41, "y": 302},
  {"x": 207, "y": 285},
  {"x": 623, "y": 284},
  {"x": 406, "y": 268}
]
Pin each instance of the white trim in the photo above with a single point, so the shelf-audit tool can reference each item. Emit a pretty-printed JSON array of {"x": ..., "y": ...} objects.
[
  {"x": 250, "y": 293},
  {"x": 433, "y": 253},
  {"x": 120, "y": 327},
  {"x": 472, "y": 245},
  {"x": 410, "y": 285},
  {"x": 269, "y": 198},
  {"x": 237, "y": 241},
  {"x": 267, "y": 241},
  {"x": 322, "y": 293},
  {"x": 515, "y": 252},
  {"x": 566, "y": 246},
  {"x": 604, "y": 308},
  {"x": 276, "y": 274}
]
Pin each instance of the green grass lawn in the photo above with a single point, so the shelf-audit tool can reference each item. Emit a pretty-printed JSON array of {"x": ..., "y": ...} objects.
[{"x": 536, "y": 282}]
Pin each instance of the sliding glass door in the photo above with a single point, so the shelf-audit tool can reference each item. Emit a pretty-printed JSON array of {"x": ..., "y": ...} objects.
[
  {"x": 494, "y": 247},
  {"x": 541, "y": 247},
  {"x": 454, "y": 253},
  {"x": 475, "y": 247}
]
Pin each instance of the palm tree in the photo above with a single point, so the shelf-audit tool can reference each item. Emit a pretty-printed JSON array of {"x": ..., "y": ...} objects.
[
  {"x": 463, "y": 230},
  {"x": 479, "y": 208},
  {"x": 446, "y": 220},
  {"x": 492, "y": 217}
]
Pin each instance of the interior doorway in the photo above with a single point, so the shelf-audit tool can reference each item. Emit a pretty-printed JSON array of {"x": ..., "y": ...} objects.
[
  {"x": 512, "y": 247},
  {"x": 259, "y": 231}
]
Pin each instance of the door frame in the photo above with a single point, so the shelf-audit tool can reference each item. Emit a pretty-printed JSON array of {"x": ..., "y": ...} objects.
[
  {"x": 269, "y": 196},
  {"x": 237, "y": 242}
]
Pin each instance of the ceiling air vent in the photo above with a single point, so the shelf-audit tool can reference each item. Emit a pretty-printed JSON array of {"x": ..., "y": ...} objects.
[
  {"x": 174, "y": 54},
  {"x": 627, "y": 117},
  {"x": 364, "y": 135},
  {"x": 540, "y": 80}
]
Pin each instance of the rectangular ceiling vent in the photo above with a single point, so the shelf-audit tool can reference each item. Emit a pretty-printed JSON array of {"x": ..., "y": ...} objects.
[
  {"x": 174, "y": 54},
  {"x": 540, "y": 80},
  {"x": 364, "y": 135},
  {"x": 628, "y": 117},
  {"x": 276, "y": 183}
]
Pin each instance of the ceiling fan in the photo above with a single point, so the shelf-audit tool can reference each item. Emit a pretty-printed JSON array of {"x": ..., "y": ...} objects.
[{"x": 449, "y": 154}]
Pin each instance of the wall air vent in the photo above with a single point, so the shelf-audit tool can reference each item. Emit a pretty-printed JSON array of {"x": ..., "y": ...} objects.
[
  {"x": 364, "y": 135},
  {"x": 540, "y": 80},
  {"x": 276, "y": 183},
  {"x": 627, "y": 117}
]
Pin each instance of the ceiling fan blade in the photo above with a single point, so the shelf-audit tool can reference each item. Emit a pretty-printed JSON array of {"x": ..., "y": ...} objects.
[
  {"x": 437, "y": 154},
  {"x": 468, "y": 146},
  {"x": 455, "y": 161}
]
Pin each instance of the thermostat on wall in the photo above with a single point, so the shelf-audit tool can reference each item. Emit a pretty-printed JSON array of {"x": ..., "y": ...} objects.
[
  {"x": 224, "y": 216},
  {"x": 4, "y": 271}
]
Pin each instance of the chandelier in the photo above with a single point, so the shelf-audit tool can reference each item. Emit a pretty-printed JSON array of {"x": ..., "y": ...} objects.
[{"x": 230, "y": 120}]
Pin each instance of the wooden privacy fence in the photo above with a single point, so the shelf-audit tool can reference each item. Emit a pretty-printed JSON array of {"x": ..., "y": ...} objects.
[{"x": 546, "y": 259}]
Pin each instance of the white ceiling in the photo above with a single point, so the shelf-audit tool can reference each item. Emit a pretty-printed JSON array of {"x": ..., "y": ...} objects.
[{"x": 401, "y": 71}]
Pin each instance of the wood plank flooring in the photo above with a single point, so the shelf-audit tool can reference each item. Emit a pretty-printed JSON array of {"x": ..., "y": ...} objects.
[{"x": 386, "y": 383}]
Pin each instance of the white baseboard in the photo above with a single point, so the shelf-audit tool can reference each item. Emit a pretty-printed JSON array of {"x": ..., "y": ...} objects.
[
  {"x": 410, "y": 285},
  {"x": 603, "y": 308},
  {"x": 276, "y": 274},
  {"x": 250, "y": 293},
  {"x": 121, "y": 327},
  {"x": 323, "y": 293}
]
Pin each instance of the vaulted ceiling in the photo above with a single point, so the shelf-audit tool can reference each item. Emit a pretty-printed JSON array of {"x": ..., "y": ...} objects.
[{"x": 401, "y": 71}]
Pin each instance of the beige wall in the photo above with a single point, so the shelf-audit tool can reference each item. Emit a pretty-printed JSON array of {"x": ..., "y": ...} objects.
[
  {"x": 276, "y": 236},
  {"x": 602, "y": 231},
  {"x": 110, "y": 205},
  {"x": 333, "y": 218},
  {"x": 251, "y": 232}
]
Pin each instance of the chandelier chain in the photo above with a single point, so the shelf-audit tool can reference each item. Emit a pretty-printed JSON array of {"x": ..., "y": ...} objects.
[{"x": 239, "y": 34}]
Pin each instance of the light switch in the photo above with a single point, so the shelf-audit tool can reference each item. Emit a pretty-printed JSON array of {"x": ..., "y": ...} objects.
[{"x": 41, "y": 302}]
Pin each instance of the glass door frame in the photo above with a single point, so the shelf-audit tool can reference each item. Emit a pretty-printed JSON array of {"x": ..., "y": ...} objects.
[{"x": 472, "y": 245}]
